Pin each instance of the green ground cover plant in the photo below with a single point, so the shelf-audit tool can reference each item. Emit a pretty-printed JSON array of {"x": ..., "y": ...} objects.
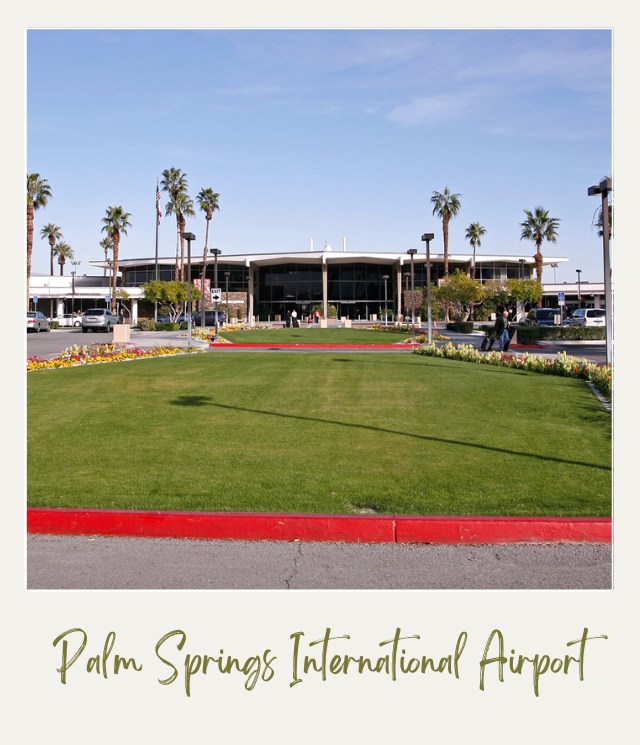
[{"x": 319, "y": 433}]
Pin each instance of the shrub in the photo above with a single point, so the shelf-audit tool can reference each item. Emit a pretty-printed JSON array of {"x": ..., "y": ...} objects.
[
  {"x": 463, "y": 327},
  {"x": 532, "y": 334},
  {"x": 146, "y": 324}
]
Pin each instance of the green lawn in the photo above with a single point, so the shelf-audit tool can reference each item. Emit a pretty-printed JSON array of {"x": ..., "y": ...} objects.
[
  {"x": 324, "y": 433},
  {"x": 312, "y": 335}
]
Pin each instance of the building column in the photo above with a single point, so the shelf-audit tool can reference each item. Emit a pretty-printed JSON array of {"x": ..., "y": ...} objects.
[
  {"x": 325, "y": 285},
  {"x": 398, "y": 271},
  {"x": 134, "y": 311},
  {"x": 250, "y": 297}
]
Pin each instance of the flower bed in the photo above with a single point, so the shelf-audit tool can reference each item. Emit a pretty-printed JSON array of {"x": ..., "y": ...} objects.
[
  {"x": 563, "y": 365},
  {"x": 101, "y": 353}
]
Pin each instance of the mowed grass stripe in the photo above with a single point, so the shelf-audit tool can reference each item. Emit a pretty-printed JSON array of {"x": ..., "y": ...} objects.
[{"x": 317, "y": 433}]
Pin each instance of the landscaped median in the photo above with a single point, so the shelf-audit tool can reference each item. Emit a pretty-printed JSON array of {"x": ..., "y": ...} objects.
[
  {"x": 101, "y": 353},
  {"x": 342, "y": 447}
]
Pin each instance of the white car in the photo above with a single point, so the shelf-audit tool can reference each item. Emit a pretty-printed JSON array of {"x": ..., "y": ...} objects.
[
  {"x": 589, "y": 317},
  {"x": 37, "y": 321},
  {"x": 68, "y": 319}
]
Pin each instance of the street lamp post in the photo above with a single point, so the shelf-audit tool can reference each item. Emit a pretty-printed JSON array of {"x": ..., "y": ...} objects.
[
  {"x": 216, "y": 252},
  {"x": 226, "y": 280},
  {"x": 427, "y": 238},
  {"x": 522, "y": 262},
  {"x": 412, "y": 252},
  {"x": 188, "y": 238},
  {"x": 110, "y": 262},
  {"x": 603, "y": 188},
  {"x": 579, "y": 272},
  {"x": 73, "y": 285},
  {"x": 554, "y": 267},
  {"x": 385, "y": 277}
]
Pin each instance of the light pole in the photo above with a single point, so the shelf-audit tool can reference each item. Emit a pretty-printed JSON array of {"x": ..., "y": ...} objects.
[
  {"x": 385, "y": 277},
  {"x": 216, "y": 252},
  {"x": 188, "y": 238},
  {"x": 427, "y": 238},
  {"x": 226, "y": 279},
  {"x": 603, "y": 188},
  {"x": 412, "y": 252},
  {"x": 522, "y": 262},
  {"x": 73, "y": 285},
  {"x": 579, "y": 272},
  {"x": 110, "y": 262},
  {"x": 554, "y": 267}
]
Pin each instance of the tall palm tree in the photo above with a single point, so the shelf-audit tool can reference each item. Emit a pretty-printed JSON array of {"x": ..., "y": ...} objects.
[
  {"x": 64, "y": 252},
  {"x": 174, "y": 183},
  {"x": 208, "y": 201},
  {"x": 38, "y": 194},
  {"x": 52, "y": 233},
  {"x": 474, "y": 232},
  {"x": 106, "y": 244},
  {"x": 539, "y": 227},
  {"x": 445, "y": 205},
  {"x": 116, "y": 223}
]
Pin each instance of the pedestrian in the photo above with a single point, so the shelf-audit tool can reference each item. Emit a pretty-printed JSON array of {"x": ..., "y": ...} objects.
[
  {"x": 316, "y": 316},
  {"x": 501, "y": 330},
  {"x": 294, "y": 318}
]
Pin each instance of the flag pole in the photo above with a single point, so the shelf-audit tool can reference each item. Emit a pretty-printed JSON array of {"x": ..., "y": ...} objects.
[{"x": 158, "y": 214}]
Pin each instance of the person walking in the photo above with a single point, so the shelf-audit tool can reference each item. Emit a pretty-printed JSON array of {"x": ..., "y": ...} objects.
[
  {"x": 501, "y": 330},
  {"x": 294, "y": 318}
]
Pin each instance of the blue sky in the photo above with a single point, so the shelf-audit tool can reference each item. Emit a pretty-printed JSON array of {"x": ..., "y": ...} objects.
[{"x": 322, "y": 134}]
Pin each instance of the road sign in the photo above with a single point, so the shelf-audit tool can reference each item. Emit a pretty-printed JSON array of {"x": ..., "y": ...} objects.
[
  {"x": 35, "y": 299},
  {"x": 561, "y": 298},
  {"x": 216, "y": 295}
]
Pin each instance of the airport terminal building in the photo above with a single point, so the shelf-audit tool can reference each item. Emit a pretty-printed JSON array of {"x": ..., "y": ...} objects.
[{"x": 262, "y": 287}]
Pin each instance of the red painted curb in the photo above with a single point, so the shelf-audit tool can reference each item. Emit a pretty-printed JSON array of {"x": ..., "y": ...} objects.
[
  {"x": 340, "y": 528},
  {"x": 482, "y": 529}
]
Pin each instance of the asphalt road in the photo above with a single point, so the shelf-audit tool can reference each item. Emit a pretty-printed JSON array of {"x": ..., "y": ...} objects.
[{"x": 92, "y": 562}]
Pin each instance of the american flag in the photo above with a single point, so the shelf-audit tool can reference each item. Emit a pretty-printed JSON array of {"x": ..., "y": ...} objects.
[{"x": 158, "y": 211}]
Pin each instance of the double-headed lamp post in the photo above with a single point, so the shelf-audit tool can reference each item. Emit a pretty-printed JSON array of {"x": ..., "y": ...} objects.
[
  {"x": 385, "y": 277},
  {"x": 188, "y": 238},
  {"x": 412, "y": 252},
  {"x": 427, "y": 238},
  {"x": 215, "y": 252},
  {"x": 603, "y": 188},
  {"x": 579, "y": 272},
  {"x": 73, "y": 285}
]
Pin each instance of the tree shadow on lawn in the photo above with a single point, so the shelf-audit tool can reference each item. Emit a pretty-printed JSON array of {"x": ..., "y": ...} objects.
[{"x": 206, "y": 401}]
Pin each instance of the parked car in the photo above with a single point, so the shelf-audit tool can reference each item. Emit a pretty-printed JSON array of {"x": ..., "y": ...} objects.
[
  {"x": 68, "y": 319},
  {"x": 99, "y": 319},
  {"x": 209, "y": 318},
  {"x": 542, "y": 316},
  {"x": 589, "y": 317},
  {"x": 37, "y": 321}
]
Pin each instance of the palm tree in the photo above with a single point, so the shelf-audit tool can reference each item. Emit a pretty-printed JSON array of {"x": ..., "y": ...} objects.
[
  {"x": 208, "y": 201},
  {"x": 64, "y": 252},
  {"x": 539, "y": 227},
  {"x": 38, "y": 194},
  {"x": 474, "y": 232},
  {"x": 106, "y": 244},
  {"x": 174, "y": 183},
  {"x": 52, "y": 233},
  {"x": 445, "y": 206},
  {"x": 116, "y": 223}
]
